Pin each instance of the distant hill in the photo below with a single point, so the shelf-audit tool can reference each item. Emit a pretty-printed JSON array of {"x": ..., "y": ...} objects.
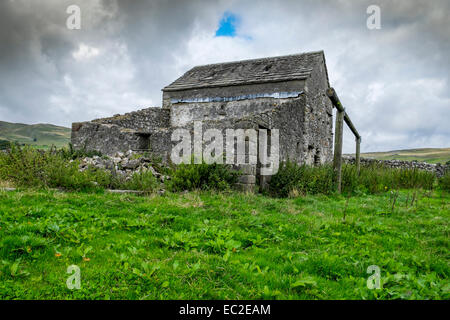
[
  {"x": 37, "y": 135},
  {"x": 430, "y": 155}
]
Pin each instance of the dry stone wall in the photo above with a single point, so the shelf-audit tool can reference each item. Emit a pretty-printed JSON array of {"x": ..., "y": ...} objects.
[
  {"x": 438, "y": 169},
  {"x": 144, "y": 120}
]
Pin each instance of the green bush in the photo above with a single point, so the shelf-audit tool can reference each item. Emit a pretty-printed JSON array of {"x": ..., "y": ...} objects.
[
  {"x": 301, "y": 178},
  {"x": 444, "y": 181},
  {"x": 202, "y": 177},
  {"x": 142, "y": 181},
  {"x": 28, "y": 167},
  {"x": 71, "y": 154},
  {"x": 4, "y": 144}
]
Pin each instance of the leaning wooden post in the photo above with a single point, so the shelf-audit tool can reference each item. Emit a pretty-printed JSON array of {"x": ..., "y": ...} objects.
[
  {"x": 338, "y": 138},
  {"x": 341, "y": 116},
  {"x": 357, "y": 157}
]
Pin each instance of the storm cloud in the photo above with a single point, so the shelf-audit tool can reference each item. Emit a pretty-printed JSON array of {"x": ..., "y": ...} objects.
[{"x": 393, "y": 81}]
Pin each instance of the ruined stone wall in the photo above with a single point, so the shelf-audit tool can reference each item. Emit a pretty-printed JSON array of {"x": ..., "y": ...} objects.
[
  {"x": 146, "y": 129},
  {"x": 159, "y": 143},
  {"x": 106, "y": 138},
  {"x": 144, "y": 120}
]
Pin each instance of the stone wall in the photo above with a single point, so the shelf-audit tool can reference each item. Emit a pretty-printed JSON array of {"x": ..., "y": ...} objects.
[
  {"x": 106, "y": 138},
  {"x": 145, "y": 130},
  {"x": 159, "y": 143},
  {"x": 318, "y": 134},
  {"x": 143, "y": 120},
  {"x": 438, "y": 169}
]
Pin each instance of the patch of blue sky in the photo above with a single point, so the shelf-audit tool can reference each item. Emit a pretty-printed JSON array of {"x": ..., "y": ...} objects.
[{"x": 228, "y": 25}]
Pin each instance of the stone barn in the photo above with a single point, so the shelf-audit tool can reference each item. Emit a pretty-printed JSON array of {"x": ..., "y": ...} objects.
[{"x": 287, "y": 93}]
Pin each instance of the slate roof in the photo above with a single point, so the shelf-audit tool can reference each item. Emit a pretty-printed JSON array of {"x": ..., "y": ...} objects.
[{"x": 274, "y": 69}]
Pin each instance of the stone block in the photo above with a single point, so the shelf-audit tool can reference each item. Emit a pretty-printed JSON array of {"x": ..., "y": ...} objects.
[
  {"x": 245, "y": 187},
  {"x": 247, "y": 179}
]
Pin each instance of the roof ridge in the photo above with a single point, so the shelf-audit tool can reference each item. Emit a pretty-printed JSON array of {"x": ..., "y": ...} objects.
[{"x": 261, "y": 59}]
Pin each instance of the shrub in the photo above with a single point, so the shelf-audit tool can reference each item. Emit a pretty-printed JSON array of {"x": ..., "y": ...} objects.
[
  {"x": 4, "y": 144},
  {"x": 202, "y": 177},
  {"x": 142, "y": 181},
  {"x": 444, "y": 181},
  {"x": 301, "y": 178},
  {"x": 29, "y": 167},
  {"x": 70, "y": 153}
]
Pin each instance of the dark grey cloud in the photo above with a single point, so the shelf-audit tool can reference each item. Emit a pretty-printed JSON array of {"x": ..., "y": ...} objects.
[{"x": 393, "y": 82}]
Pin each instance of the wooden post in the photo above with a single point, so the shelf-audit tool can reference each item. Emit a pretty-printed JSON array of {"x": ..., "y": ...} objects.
[
  {"x": 338, "y": 137},
  {"x": 357, "y": 157},
  {"x": 341, "y": 116}
]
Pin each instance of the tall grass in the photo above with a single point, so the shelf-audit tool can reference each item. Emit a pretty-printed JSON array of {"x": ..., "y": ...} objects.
[
  {"x": 28, "y": 167},
  {"x": 444, "y": 181},
  {"x": 202, "y": 177},
  {"x": 142, "y": 181},
  {"x": 377, "y": 178},
  {"x": 302, "y": 179}
]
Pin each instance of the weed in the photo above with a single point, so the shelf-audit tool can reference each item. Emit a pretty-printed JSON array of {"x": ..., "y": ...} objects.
[{"x": 202, "y": 177}]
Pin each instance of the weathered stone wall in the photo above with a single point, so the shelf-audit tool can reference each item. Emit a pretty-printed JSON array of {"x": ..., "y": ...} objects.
[
  {"x": 106, "y": 138},
  {"x": 159, "y": 143},
  {"x": 184, "y": 112},
  {"x": 318, "y": 134},
  {"x": 143, "y": 120},
  {"x": 145, "y": 129},
  {"x": 286, "y": 115},
  {"x": 438, "y": 169}
]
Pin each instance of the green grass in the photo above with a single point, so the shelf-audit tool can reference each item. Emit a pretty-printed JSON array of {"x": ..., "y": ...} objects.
[
  {"x": 41, "y": 136},
  {"x": 213, "y": 245},
  {"x": 430, "y": 155}
]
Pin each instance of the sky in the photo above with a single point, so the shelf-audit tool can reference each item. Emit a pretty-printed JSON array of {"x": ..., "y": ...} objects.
[{"x": 393, "y": 81}]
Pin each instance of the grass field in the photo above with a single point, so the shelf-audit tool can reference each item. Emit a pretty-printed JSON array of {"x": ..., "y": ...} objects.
[
  {"x": 430, "y": 155},
  {"x": 223, "y": 246},
  {"x": 40, "y": 136}
]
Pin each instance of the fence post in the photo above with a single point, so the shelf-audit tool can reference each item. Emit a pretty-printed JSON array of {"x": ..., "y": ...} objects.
[
  {"x": 338, "y": 137},
  {"x": 341, "y": 116},
  {"x": 357, "y": 157}
]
